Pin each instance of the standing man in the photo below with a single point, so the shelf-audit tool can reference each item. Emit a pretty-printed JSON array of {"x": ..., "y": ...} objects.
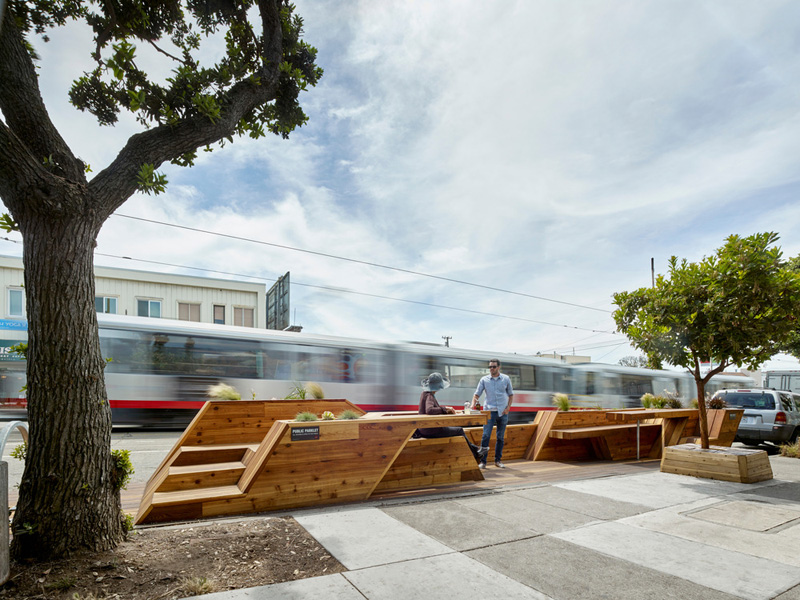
[{"x": 499, "y": 396}]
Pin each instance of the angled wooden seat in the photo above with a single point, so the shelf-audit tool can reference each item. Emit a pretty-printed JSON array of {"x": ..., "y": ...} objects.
[{"x": 579, "y": 433}]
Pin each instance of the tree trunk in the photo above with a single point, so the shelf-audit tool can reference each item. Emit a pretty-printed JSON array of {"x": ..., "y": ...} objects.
[
  {"x": 68, "y": 499},
  {"x": 701, "y": 406}
]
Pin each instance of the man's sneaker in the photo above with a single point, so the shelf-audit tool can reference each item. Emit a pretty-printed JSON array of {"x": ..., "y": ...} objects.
[
  {"x": 482, "y": 464},
  {"x": 483, "y": 451},
  {"x": 499, "y": 464}
]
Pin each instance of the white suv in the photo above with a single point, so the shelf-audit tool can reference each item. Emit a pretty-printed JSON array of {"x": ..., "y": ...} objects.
[{"x": 769, "y": 415}]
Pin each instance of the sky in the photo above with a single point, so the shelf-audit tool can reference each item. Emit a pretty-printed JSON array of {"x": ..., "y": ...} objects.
[{"x": 519, "y": 162}]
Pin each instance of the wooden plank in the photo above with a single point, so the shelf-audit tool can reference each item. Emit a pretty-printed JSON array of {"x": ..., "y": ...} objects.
[
  {"x": 544, "y": 422},
  {"x": 256, "y": 463},
  {"x": 649, "y": 413},
  {"x": 196, "y": 496}
]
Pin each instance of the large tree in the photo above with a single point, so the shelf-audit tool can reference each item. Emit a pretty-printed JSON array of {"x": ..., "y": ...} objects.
[
  {"x": 737, "y": 307},
  {"x": 69, "y": 497}
]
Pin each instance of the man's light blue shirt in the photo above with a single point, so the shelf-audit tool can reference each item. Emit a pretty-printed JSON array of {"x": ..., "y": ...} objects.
[{"x": 497, "y": 389}]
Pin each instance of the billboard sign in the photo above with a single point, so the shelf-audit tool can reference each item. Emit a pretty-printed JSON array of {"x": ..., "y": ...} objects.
[{"x": 278, "y": 304}]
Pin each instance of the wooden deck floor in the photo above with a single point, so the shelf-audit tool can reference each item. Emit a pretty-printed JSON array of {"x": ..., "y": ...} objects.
[
  {"x": 516, "y": 473},
  {"x": 525, "y": 473}
]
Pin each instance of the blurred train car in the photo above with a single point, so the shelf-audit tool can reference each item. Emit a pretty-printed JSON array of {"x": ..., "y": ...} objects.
[{"x": 160, "y": 371}]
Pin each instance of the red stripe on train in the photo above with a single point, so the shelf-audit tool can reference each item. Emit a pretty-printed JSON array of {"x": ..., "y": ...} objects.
[{"x": 184, "y": 404}]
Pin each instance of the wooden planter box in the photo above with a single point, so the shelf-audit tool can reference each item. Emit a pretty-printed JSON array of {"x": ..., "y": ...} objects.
[{"x": 743, "y": 465}]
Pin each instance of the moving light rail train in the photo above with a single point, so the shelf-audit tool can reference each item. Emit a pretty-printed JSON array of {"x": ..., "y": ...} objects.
[{"x": 160, "y": 371}]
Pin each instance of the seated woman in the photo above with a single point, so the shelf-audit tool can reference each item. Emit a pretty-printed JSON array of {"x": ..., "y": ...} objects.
[{"x": 428, "y": 405}]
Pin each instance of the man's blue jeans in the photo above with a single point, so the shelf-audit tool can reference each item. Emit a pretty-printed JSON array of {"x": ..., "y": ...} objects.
[{"x": 501, "y": 421}]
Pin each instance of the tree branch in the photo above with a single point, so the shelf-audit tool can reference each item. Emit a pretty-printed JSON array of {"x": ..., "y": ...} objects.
[
  {"x": 23, "y": 108},
  {"x": 117, "y": 182},
  {"x": 27, "y": 186}
]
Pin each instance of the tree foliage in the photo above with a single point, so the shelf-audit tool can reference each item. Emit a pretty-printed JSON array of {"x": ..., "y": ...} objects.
[
  {"x": 736, "y": 307},
  {"x": 250, "y": 87},
  {"x": 637, "y": 361},
  {"x": 793, "y": 343}
]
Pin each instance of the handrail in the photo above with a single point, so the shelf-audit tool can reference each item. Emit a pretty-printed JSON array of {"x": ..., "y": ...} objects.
[{"x": 6, "y": 431}]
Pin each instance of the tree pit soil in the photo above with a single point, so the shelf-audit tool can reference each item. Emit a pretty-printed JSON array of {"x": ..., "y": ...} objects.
[{"x": 165, "y": 563}]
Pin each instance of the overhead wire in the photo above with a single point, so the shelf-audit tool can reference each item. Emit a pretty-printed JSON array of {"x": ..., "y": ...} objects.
[
  {"x": 348, "y": 291},
  {"x": 359, "y": 261}
]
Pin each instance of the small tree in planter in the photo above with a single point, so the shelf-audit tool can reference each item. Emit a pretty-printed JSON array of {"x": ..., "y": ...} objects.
[{"x": 735, "y": 307}]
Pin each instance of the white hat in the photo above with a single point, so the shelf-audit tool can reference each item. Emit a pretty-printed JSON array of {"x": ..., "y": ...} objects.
[{"x": 435, "y": 382}]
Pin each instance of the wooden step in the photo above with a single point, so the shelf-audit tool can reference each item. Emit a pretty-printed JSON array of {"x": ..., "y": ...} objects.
[
  {"x": 191, "y": 477},
  {"x": 218, "y": 453},
  {"x": 228, "y": 492}
]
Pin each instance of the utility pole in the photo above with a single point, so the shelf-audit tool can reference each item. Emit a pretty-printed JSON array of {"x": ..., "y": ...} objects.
[
  {"x": 653, "y": 272},
  {"x": 447, "y": 339}
]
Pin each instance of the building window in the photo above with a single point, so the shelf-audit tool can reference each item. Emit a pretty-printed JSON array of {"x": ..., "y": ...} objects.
[
  {"x": 105, "y": 304},
  {"x": 188, "y": 312},
  {"x": 16, "y": 303},
  {"x": 219, "y": 314},
  {"x": 243, "y": 317},
  {"x": 148, "y": 308}
]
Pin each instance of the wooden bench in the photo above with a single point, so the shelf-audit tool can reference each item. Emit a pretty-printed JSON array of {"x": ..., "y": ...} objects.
[
  {"x": 587, "y": 434},
  {"x": 610, "y": 442},
  {"x": 581, "y": 433},
  {"x": 299, "y": 464}
]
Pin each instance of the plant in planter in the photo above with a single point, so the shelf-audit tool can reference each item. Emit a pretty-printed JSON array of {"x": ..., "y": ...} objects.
[
  {"x": 659, "y": 402},
  {"x": 348, "y": 415},
  {"x": 674, "y": 402},
  {"x": 647, "y": 400},
  {"x": 562, "y": 402},
  {"x": 301, "y": 392},
  {"x": 305, "y": 416},
  {"x": 223, "y": 391},
  {"x": 328, "y": 416}
]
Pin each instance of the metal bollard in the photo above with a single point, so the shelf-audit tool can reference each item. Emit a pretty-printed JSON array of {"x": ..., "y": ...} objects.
[{"x": 5, "y": 556}]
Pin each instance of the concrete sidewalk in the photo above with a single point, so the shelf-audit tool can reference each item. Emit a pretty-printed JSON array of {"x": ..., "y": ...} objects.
[{"x": 650, "y": 535}]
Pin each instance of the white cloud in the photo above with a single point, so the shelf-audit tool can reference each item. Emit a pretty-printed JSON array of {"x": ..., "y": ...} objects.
[{"x": 550, "y": 148}]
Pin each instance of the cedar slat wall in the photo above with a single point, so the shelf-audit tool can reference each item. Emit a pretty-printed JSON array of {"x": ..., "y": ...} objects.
[
  {"x": 433, "y": 461},
  {"x": 518, "y": 437}
]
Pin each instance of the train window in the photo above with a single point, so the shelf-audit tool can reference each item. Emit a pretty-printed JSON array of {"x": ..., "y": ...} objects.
[
  {"x": 178, "y": 354},
  {"x": 320, "y": 364},
  {"x": 635, "y": 386},
  {"x": 464, "y": 373},
  {"x": 555, "y": 379},
  {"x": 521, "y": 376}
]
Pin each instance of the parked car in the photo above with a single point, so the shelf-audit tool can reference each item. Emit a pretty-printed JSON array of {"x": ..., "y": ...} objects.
[{"x": 769, "y": 415}]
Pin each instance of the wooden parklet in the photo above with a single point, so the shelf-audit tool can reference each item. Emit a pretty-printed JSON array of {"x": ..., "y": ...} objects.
[
  {"x": 245, "y": 457},
  {"x": 250, "y": 456}
]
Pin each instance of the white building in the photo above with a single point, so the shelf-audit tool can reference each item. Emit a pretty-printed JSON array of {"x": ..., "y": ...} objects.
[{"x": 148, "y": 294}]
